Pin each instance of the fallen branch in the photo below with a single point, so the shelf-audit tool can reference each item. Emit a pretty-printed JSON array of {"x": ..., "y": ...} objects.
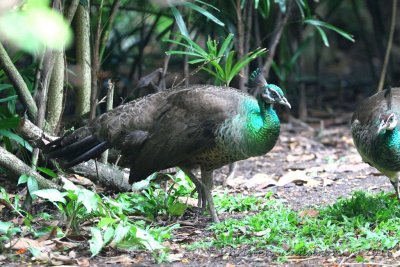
[
  {"x": 108, "y": 175},
  {"x": 15, "y": 167}
]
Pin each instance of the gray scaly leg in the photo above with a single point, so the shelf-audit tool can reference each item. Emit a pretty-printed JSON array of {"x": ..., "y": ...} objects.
[
  {"x": 231, "y": 172},
  {"x": 207, "y": 179},
  {"x": 198, "y": 184},
  {"x": 395, "y": 182}
]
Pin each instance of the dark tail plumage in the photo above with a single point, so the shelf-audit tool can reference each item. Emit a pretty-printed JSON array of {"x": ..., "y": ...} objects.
[{"x": 78, "y": 147}]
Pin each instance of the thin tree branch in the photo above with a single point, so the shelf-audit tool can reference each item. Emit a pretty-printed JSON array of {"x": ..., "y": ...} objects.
[
  {"x": 275, "y": 40},
  {"x": 18, "y": 82},
  {"x": 389, "y": 45},
  {"x": 71, "y": 10}
]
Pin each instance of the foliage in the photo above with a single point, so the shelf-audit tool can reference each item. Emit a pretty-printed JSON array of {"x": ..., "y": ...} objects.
[
  {"x": 219, "y": 62},
  {"x": 114, "y": 228},
  {"x": 362, "y": 222},
  {"x": 34, "y": 26}
]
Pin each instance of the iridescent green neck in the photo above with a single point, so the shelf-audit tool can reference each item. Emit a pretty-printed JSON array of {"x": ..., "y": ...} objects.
[{"x": 262, "y": 126}]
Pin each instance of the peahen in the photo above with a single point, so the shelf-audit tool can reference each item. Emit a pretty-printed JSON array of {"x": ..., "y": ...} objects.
[
  {"x": 376, "y": 133},
  {"x": 197, "y": 126}
]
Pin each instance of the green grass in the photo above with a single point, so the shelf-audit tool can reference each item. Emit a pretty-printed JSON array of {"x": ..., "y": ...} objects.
[{"x": 362, "y": 222}]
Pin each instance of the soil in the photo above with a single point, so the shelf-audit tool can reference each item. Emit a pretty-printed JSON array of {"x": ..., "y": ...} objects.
[{"x": 306, "y": 168}]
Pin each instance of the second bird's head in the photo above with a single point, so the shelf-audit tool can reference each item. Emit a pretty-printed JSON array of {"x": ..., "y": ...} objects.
[
  {"x": 388, "y": 122},
  {"x": 273, "y": 94}
]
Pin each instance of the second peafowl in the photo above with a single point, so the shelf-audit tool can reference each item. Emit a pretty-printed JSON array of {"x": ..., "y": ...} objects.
[
  {"x": 376, "y": 135},
  {"x": 197, "y": 126}
]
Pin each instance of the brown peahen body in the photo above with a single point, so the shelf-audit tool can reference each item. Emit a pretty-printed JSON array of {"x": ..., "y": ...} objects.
[{"x": 198, "y": 126}]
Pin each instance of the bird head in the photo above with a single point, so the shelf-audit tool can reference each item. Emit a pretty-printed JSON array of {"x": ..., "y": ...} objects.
[
  {"x": 387, "y": 122},
  {"x": 269, "y": 93},
  {"x": 273, "y": 94}
]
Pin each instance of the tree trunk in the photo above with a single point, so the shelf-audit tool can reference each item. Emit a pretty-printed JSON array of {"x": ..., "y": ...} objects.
[{"x": 83, "y": 59}]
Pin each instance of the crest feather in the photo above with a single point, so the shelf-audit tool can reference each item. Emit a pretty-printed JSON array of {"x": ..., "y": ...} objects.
[{"x": 256, "y": 79}]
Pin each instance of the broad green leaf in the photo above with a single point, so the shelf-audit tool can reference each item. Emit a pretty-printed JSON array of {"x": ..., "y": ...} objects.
[
  {"x": 108, "y": 235},
  {"x": 16, "y": 138},
  {"x": 68, "y": 185},
  {"x": 96, "y": 242},
  {"x": 47, "y": 171},
  {"x": 204, "y": 12},
  {"x": 148, "y": 241},
  {"x": 105, "y": 221},
  {"x": 177, "y": 209},
  {"x": 4, "y": 227},
  {"x": 120, "y": 233},
  {"x": 9, "y": 123},
  {"x": 52, "y": 195},
  {"x": 88, "y": 199},
  {"x": 32, "y": 185},
  {"x": 23, "y": 179}
]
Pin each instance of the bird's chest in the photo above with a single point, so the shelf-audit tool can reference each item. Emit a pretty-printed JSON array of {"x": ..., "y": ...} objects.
[{"x": 241, "y": 138}]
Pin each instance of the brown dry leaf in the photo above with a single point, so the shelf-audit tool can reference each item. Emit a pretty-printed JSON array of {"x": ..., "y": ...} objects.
[
  {"x": 309, "y": 213},
  {"x": 23, "y": 243},
  {"x": 122, "y": 259},
  {"x": 77, "y": 179},
  {"x": 175, "y": 257},
  {"x": 65, "y": 245},
  {"x": 260, "y": 181},
  {"x": 230, "y": 265},
  {"x": 297, "y": 177}
]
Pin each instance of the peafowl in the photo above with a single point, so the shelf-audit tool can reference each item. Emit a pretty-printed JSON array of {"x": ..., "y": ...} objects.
[
  {"x": 376, "y": 134},
  {"x": 197, "y": 126}
]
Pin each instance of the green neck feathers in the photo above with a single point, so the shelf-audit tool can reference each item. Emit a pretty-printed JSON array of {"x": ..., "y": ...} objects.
[{"x": 262, "y": 126}]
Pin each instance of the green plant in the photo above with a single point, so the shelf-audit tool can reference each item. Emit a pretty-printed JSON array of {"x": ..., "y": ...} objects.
[
  {"x": 217, "y": 61},
  {"x": 362, "y": 222}
]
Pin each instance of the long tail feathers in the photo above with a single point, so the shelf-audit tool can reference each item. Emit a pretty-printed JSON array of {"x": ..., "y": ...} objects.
[{"x": 75, "y": 148}]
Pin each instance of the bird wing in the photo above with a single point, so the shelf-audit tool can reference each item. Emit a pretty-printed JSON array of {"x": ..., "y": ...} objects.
[{"x": 186, "y": 127}]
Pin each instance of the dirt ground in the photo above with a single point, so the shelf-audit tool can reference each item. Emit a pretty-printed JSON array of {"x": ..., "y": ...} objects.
[{"x": 306, "y": 168}]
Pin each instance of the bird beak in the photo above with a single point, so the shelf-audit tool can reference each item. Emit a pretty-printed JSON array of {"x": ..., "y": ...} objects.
[
  {"x": 381, "y": 127},
  {"x": 284, "y": 102}
]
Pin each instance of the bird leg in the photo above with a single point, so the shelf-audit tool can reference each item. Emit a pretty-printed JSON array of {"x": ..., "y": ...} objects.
[
  {"x": 395, "y": 183},
  {"x": 199, "y": 186},
  {"x": 231, "y": 172},
  {"x": 207, "y": 179}
]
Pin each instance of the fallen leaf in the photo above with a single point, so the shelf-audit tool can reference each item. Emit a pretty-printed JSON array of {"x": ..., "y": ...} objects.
[
  {"x": 262, "y": 233},
  {"x": 260, "y": 181},
  {"x": 122, "y": 259},
  {"x": 175, "y": 257},
  {"x": 311, "y": 213},
  {"x": 297, "y": 177},
  {"x": 77, "y": 179}
]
